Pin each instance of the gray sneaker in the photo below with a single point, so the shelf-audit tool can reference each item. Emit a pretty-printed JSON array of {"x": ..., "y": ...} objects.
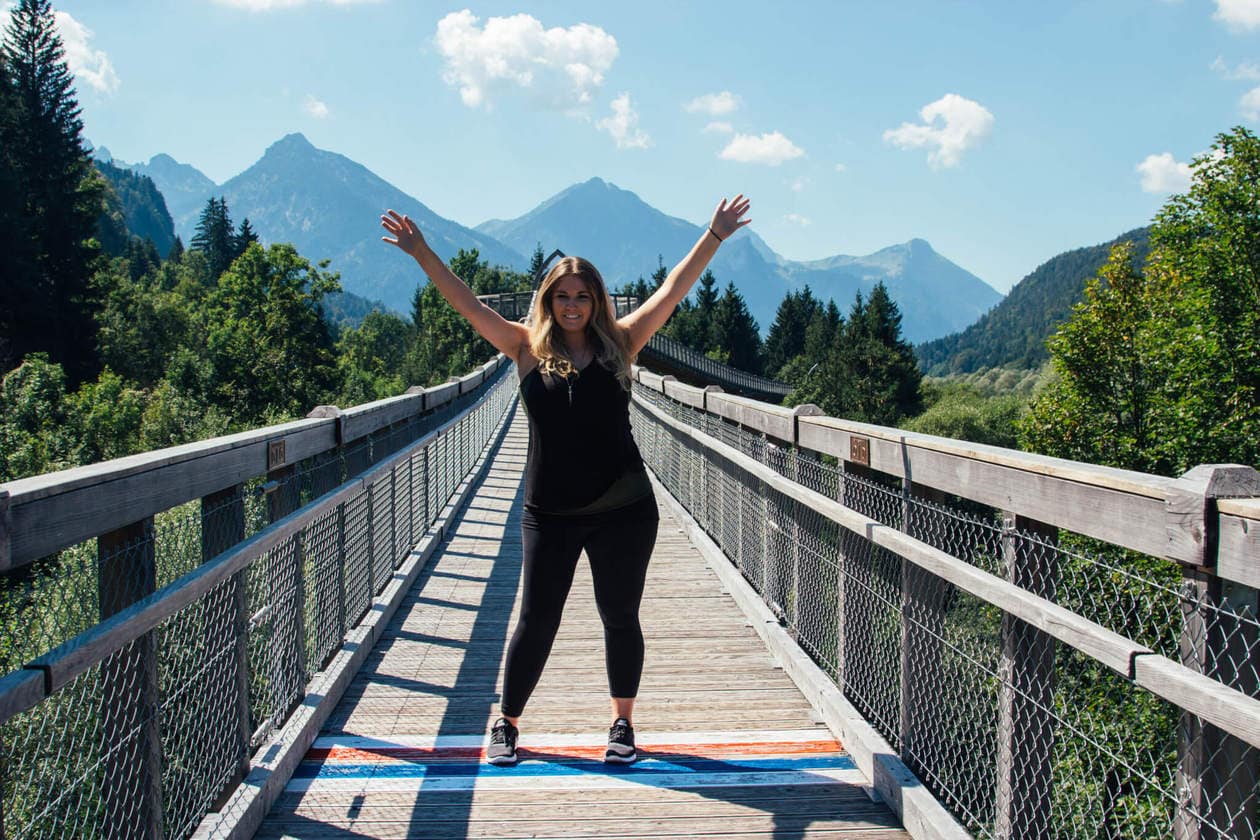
[
  {"x": 502, "y": 749},
  {"x": 620, "y": 743}
]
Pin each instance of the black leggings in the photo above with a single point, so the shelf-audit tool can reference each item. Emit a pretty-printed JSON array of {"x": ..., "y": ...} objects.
[{"x": 618, "y": 544}]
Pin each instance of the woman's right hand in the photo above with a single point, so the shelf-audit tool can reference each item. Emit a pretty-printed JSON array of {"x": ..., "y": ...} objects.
[{"x": 407, "y": 235}]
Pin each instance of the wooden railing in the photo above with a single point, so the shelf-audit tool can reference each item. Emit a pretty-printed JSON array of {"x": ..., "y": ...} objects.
[
  {"x": 960, "y": 572},
  {"x": 177, "y": 605}
]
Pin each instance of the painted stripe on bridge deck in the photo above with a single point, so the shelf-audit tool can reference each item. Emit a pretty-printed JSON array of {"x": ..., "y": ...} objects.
[
  {"x": 555, "y": 761},
  {"x": 518, "y": 778},
  {"x": 785, "y": 737}
]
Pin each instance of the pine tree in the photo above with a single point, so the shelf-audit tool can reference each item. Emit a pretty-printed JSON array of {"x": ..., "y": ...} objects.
[
  {"x": 733, "y": 332},
  {"x": 245, "y": 236},
  {"x": 52, "y": 297},
  {"x": 536, "y": 262},
  {"x": 10, "y": 218},
  {"x": 871, "y": 373},
  {"x": 786, "y": 339},
  {"x": 690, "y": 324},
  {"x": 215, "y": 238}
]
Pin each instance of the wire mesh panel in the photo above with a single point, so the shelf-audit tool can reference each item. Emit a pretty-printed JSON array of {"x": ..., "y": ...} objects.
[
  {"x": 157, "y": 732},
  {"x": 1017, "y": 734}
]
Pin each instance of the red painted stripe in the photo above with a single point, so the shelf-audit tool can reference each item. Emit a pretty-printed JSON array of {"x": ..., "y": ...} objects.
[{"x": 434, "y": 755}]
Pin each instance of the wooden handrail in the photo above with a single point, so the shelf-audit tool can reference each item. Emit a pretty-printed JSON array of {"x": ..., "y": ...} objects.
[
  {"x": 47, "y": 674},
  {"x": 50, "y": 512},
  {"x": 1129, "y": 509},
  {"x": 1218, "y": 704}
]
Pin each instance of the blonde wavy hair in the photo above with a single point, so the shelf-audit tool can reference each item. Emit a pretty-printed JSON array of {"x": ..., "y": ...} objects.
[{"x": 611, "y": 340}]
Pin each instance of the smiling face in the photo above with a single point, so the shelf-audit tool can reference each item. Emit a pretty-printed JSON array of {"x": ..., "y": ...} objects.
[{"x": 572, "y": 304}]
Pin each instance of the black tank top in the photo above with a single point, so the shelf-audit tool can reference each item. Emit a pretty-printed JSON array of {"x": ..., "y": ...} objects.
[{"x": 582, "y": 457}]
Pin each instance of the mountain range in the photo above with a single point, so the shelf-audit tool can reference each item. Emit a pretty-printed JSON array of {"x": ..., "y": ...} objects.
[{"x": 328, "y": 206}]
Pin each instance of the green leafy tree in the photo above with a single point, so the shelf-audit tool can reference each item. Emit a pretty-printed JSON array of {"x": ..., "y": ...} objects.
[
  {"x": 963, "y": 412},
  {"x": 371, "y": 358},
  {"x": 141, "y": 324},
  {"x": 1159, "y": 367},
  {"x": 269, "y": 346},
  {"x": 179, "y": 410},
  {"x": 48, "y": 297},
  {"x": 32, "y": 419},
  {"x": 103, "y": 419},
  {"x": 445, "y": 343}
]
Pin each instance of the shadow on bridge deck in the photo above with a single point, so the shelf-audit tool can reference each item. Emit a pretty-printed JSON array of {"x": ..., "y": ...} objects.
[{"x": 729, "y": 746}]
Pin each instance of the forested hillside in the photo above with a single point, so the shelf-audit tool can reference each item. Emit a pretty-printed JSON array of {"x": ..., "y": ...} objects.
[
  {"x": 1013, "y": 333},
  {"x": 140, "y": 207}
]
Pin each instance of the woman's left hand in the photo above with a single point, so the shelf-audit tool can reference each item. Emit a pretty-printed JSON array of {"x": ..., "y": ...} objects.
[{"x": 728, "y": 218}]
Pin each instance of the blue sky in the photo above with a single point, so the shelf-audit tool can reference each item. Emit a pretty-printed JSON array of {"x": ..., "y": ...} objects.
[{"x": 1003, "y": 133}]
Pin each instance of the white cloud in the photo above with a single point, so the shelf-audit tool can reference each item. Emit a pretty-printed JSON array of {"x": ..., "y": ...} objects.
[
  {"x": 560, "y": 68},
  {"x": 1238, "y": 15},
  {"x": 840, "y": 167},
  {"x": 797, "y": 219},
  {"x": 951, "y": 125},
  {"x": 316, "y": 108},
  {"x": 623, "y": 125},
  {"x": 1249, "y": 105},
  {"x": 1242, "y": 72},
  {"x": 268, "y": 5},
  {"x": 798, "y": 184},
  {"x": 1164, "y": 174},
  {"x": 90, "y": 65},
  {"x": 714, "y": 104},
  {"x": 717, "y": 127},
  {"x": 771, "y": 149}
]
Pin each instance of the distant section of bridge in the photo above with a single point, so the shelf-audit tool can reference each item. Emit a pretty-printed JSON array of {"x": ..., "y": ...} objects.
[
  {"x": 307, "y": 620},
  {"x": 664, "y": 354}
]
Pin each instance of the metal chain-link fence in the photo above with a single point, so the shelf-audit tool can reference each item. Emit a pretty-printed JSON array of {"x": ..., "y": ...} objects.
[
  {"x": 146, "y": 741},
  {"x": 1019, "y": 735}
]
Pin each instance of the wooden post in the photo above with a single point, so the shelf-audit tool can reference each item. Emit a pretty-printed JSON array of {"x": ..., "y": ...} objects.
[
  {"x": 342, "y": 629},
  {"x": 1216, "y": 773},
  {"x": 1026, "y": 726},
  {"x": 781, "y": 560},
  {"x": 131, "y": 786},
  {"x": 394, "y": 560},
  {"x": 922, "y": 629},
  {"x": 854, "y": 634},
  {"x": 223, "y": 526},
  {"x": 288, "y": 661}
]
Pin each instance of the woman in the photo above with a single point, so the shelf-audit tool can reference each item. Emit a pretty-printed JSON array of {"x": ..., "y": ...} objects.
[{"x": 585, "y": 483}]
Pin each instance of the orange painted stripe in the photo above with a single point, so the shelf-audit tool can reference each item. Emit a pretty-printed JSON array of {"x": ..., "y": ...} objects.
[{"x": 357, "y": 755}]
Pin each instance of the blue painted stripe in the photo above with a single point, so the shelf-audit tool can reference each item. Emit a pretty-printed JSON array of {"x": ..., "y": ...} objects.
[{"x": 644, "y": 767}]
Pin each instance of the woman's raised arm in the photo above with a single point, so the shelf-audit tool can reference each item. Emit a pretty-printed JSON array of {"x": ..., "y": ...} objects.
[
  {"x": 508, "y": 337},
  {"x": 652, "y": 314}
]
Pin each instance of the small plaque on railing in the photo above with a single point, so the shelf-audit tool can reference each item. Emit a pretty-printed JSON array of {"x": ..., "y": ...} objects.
[
  {"x": 275, "y": 454},
  {"x": 860, "y": 450}
]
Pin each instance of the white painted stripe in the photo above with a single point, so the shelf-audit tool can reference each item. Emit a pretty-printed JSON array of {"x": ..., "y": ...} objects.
[
  {"x": 542, "y": 740},
  {"x": 584, "y": 782}
]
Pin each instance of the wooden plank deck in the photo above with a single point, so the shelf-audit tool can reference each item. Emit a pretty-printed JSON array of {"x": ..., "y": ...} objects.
[{"x": 728, "y": 746}]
